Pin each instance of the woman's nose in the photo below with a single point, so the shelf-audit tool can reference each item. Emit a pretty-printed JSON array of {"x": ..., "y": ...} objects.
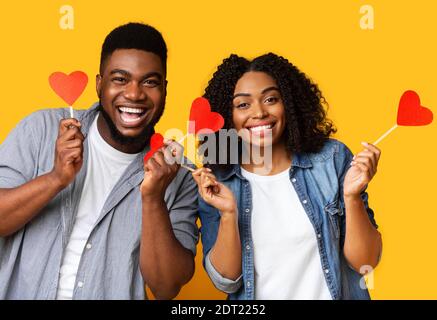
[{"x": 259, "y": 111}]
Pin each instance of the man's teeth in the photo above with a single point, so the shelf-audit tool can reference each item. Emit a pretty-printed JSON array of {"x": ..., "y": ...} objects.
[
  {"x": 131, "y": 110},
  {"x": 260, "y": 128}
]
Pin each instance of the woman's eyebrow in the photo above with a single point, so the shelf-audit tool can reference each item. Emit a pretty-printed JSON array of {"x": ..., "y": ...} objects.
[
  {"x": 270, "y": 89},
  {"x": 240, "y": 95}
]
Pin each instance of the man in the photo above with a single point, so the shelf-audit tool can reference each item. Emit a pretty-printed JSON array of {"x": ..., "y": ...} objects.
[{"x": 81, "y": 217}]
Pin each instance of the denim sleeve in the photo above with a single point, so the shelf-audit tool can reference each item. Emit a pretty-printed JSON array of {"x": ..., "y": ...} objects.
[
  {"x": 210, "y": 221},
  {"x": 220, "y": 282},
  {"x": 343, "y": 163},
  {"x": 19, "y": 155},
  {"x": 183, "y": 212}
]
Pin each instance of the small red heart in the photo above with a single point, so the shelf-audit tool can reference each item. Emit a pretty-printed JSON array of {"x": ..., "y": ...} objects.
[
  {"x": 156, "y": 142},
  {"x": 203, "y": 118},
  {"x": 68, "y": 87},
  {"x": 411, "y": 113}
]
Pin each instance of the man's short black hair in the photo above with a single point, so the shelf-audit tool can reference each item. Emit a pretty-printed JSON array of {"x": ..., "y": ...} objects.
[{"x": 134, "y": 36}]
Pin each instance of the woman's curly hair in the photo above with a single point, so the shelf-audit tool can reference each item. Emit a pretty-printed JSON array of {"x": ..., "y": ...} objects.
[{"x": 307, "y": 127}]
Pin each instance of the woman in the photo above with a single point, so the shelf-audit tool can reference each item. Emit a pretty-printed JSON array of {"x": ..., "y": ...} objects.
[{"x": 302, "y": 229}]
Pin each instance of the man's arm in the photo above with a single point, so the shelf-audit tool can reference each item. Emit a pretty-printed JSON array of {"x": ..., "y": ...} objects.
[
  {"x": 165, "y": 264},
  {"x": 20, "y": 204}
]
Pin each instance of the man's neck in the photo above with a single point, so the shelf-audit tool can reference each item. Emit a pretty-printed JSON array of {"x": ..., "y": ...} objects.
[{"x": 105, "y": 133}]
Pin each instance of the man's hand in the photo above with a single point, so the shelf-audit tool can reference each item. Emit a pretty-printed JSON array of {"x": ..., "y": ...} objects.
[
  {"x": 160, "y": 170},
  {"x": 68, "y": 152}
]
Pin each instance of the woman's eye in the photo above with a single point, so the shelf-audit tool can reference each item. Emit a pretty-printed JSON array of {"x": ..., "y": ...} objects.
[
  {"x": 243, "y": 105},
  {"x": 271, "y": 100}
]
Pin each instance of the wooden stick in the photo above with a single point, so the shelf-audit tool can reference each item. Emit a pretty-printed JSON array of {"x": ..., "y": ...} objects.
[
  {"x": 187, "y": 167},
  {"x": 385, "y": 135}
]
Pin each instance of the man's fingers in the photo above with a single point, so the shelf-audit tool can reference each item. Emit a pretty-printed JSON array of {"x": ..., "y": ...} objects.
[
  {"x": 65, "y": 124},
  {"x": 71, "y": 144},
  {"x": 72, "y": 133}
]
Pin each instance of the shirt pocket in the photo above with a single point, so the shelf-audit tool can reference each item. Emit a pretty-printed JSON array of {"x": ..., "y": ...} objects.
[{"x": 333, "y": 211}]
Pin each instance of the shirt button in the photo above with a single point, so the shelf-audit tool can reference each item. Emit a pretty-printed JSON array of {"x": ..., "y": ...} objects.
[
  {"x": 247, "y": 247},
  {"x": 248, "y": 283},
  {"x": 305, "y": 201},
  {"x": 293, "y": 180},
  {"x": 80, "y": 284},
  {"x": 247, "y": 210},
  {"x": 89, "y": 246},
  {"x": 326, "y": 271},
  {"x": 319, "y": 235}
]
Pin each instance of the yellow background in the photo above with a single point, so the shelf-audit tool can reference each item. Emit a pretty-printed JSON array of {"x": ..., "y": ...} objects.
[{"x": 362, "y": 73}]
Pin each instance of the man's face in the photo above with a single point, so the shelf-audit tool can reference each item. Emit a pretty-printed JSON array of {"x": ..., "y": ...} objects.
[{"x": 132, "y": 90}]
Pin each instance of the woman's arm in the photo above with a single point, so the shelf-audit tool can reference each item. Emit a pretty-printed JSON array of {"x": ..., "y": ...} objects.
[
  {"x": 225, "y": 254},
  {"x": 363, "y": 243}
]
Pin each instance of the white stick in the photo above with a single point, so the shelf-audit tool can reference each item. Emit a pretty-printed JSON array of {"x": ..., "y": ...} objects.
[
  {"x": 385, "y": 135},
  {"x": 187, "y": 167},
  {"x": 71, "y": 112},
  {"x": 182, "y": 139}
]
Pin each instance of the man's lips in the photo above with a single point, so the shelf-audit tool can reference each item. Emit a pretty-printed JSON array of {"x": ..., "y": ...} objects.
[{"x": 132, "y": 115}]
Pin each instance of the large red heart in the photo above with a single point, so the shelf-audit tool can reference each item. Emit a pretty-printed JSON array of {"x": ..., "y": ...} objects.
[
  {"x": 411, "y": 113},
  {"x": 68, "y": 87},
  {"x": 202, "y": 118},
  {"x": 156, "y": 142}
]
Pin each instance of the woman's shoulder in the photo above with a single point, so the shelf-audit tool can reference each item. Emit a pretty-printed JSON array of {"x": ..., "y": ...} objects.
[{"x": 332, "y": 149}]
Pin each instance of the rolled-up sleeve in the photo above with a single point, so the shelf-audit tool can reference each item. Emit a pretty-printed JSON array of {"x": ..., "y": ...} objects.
[
  {"x": 18, "y": 155},
  {"x": 223, "y": 284},
  {"x": 210, "y": 221},
  {"x": 183, "y": 212}
]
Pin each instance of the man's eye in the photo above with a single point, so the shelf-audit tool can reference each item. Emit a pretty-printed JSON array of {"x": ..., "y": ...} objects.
[
  {"x": 119, "y": 80},
  {"x": 151, "y": 83}
]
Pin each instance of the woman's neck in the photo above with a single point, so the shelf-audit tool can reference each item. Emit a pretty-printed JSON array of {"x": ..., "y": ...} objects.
[{"x": 280, "y": 161}]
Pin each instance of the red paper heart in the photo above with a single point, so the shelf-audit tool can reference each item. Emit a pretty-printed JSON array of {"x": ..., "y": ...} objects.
[
  {"x": 156, "y": 142},
  {"x": 411, "y": 113},
  {"x": 68, "y": 87},
  {"x": 202, "y": 117}
]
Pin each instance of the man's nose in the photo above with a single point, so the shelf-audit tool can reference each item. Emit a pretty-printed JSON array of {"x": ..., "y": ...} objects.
[{"x": 134, "y": 92}]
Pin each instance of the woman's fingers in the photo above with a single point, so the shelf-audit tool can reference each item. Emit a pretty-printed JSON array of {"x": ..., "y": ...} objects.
[{"x": 373, "y": 149}]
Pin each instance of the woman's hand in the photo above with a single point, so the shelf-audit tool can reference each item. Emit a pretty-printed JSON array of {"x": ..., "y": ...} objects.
[
  {"x": 215, "y": 193},
  {"x": 362, "y": 170}
]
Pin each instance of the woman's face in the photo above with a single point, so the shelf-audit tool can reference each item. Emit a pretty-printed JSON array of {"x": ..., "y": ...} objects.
[{"x": 258, "y": 111}]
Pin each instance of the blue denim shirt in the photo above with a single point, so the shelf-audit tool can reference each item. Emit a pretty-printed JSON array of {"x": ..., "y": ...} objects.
[{"x": 318, "y": 181}]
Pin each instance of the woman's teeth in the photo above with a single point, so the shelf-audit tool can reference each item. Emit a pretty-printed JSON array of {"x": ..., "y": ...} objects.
[{"x": 260, "y": 128}]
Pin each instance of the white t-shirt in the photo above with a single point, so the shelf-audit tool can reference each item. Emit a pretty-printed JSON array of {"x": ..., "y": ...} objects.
[
  {"x": 105, "y": 167},
  {"x": 286, "y": 257}
]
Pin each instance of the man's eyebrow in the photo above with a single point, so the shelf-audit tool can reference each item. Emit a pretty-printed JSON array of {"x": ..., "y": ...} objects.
[
  {"x": 123, "y": 72},
  {"x": 270, "y": 89},
  {"x": 152, "y": 74}
]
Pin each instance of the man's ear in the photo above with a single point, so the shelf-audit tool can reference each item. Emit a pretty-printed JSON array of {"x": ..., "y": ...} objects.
[{"x": 98, "y": 85}]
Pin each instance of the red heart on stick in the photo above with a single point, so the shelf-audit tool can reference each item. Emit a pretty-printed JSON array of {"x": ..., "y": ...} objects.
[
  {"x": 203, "y": 118},
  {"x": 68, "y": 87},
  {"x": 156, "y": 142},
  {"x": 411, "y": 113}
]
